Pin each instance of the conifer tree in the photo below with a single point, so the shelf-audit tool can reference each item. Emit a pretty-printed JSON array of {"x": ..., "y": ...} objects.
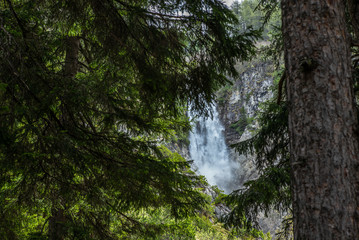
[
  {"x": 323, "y": 120},
  {"x": 322, "y": 107},
  {"x": 89, "y": 92}
]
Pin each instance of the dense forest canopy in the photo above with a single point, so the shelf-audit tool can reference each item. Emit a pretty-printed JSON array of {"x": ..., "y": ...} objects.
[{"x": 89, "y": 93}]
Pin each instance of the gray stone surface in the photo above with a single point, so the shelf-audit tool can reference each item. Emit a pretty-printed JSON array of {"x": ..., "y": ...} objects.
[{"x": 243, "y": 101}]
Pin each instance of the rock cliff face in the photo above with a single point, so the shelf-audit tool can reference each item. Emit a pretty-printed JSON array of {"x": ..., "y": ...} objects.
[{"x": 237, "y": 108}]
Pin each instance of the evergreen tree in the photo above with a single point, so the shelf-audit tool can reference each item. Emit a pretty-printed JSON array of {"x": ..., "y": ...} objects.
[
  {"x": 324, "y": 201},
  {"x": 252, "y": 15},
  {"x": 89, "y": 92},
  {"x": 323, "y": 120}
]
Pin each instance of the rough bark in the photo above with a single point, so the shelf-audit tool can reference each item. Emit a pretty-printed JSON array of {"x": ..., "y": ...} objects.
[
  {"x": 71, "y": 60},
  {"x": 322, "y": 120}
]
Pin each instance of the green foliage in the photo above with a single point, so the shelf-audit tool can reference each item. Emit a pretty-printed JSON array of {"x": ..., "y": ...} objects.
[
  {"x": 257, "y": 14},
  {"x": 203, "y": 225},
  {"x": 222, "y": 93},
  {"x": 181, "y": 135},
  {"x": 274, "y": 51},
  {"x": 200, "y": 226},
  {"x": 272, "y": 188},
  {"x": 242, "y": 123},
  {"x": 89, "y": 92},
  {"x": 264, "y": 15}
]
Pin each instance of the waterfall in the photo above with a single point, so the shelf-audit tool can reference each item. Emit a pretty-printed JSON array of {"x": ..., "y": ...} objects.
[{"x": 209, "y": 152}]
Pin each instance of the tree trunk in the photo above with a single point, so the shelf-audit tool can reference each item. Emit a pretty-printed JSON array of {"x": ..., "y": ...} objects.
[
  {"x": 57, "y": 226},
  {"x": 58, "y": 220},
  {"x": 71, "y": 60},
  {"x": 322, "y": 120}
]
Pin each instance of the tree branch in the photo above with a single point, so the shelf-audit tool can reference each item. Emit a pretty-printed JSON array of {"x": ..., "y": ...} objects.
[{"x": 280, "y": 88}]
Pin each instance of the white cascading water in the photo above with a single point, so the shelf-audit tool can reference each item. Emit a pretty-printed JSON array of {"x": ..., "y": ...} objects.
[{"x": 209, "y": 152}]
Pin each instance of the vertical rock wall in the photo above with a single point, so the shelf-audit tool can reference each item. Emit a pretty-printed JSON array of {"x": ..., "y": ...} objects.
[{"x": 237, "y": 108}]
